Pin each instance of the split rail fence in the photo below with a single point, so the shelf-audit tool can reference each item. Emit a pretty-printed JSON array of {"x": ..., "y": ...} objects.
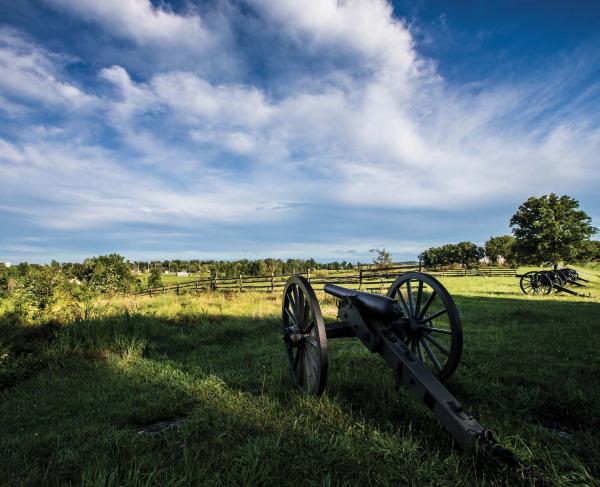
[{"x": 365, "y": 279}]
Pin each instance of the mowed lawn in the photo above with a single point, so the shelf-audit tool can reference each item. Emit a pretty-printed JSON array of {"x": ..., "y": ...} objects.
[{"x": 78, "y": 399}]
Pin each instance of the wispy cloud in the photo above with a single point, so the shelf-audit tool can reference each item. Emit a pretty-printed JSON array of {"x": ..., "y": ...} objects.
[
  {"x": 350, "y": 117},
  {"x": 140, "y": 21},
  {"x": 29, "y": 73}
]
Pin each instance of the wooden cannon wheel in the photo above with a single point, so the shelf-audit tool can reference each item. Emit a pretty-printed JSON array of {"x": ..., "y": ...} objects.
[
  {"x": 534, "y": 282},
  {"x": 304, "y": 336},
  {"x": 431, "y": 324}
]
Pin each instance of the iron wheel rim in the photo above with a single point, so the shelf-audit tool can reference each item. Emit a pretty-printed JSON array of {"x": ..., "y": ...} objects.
[
  {"x": 307, "y": 354},
  {"x": 430, "y": 314}
]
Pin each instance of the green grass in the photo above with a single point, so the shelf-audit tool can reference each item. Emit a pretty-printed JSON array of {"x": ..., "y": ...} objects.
[{"x": 75, "y": 395}]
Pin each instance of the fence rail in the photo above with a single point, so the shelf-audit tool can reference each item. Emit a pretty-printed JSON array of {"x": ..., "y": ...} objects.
[{"x": 367, "y": 279}]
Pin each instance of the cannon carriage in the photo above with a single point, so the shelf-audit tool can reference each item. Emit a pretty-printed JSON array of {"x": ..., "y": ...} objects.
[
  {"x": 416, "y": 329},
  {"x": 544, "y": 282}
]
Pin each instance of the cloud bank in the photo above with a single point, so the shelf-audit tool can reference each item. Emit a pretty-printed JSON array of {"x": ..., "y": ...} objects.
[{"x": 324, "y": 104}]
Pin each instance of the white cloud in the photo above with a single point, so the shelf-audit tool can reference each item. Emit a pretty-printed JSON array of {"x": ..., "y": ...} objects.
[
  {"x": 30, "y": 73},
  {"x": 380, "y": 128},
  {"x": 140, "y": 21}
]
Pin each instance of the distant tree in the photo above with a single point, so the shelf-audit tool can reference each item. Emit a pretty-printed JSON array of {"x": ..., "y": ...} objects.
[
  {"x": 502, "y": 246},
  {"x": 37, "y": 291},
  {"x": 551, "y": 229},
  {"x": 154, "y": 279},
  {"x": 468, "y": 253},
  {"x": 109, "y": 274},
  {"x": 464, "y": 253},
  {"x": 382, "y": 257}
]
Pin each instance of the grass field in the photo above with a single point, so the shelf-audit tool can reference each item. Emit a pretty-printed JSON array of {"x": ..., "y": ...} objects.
[{"x": 77, "y": 398}]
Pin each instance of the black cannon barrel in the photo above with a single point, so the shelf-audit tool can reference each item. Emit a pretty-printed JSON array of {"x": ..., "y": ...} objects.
[
  {"x": 374, "y": 303},
  {"x": 339, "y": 291}
]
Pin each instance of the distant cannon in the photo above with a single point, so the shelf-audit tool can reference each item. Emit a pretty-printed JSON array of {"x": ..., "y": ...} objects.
[
  {"x": 544, "y": 282},
  {"x": 416, "y": 328}
]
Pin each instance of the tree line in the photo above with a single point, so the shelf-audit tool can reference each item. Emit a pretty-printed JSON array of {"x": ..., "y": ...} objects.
[{"x": 547, "y": 230}]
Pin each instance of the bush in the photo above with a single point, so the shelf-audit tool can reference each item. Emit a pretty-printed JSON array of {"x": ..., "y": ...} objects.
[
  {"x": 108, "y": 274},
  {"x": 36, "y": 292},
  {"x": 154, "y": 279}
]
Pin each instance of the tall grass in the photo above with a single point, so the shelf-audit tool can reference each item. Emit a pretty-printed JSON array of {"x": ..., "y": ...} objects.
[{"x": 78, "y": 395}]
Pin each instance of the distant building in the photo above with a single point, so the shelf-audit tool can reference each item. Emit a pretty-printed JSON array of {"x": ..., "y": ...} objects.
[
  {"x": 7, "y": 264},
  {"x": 183, "y": 274}
]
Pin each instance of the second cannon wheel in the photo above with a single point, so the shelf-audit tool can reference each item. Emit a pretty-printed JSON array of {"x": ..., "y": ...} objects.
[{"x": 431, "y": 324}]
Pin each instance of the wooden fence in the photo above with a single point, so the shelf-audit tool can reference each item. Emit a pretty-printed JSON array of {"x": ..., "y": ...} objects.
[{"x": 365, "y": 278}]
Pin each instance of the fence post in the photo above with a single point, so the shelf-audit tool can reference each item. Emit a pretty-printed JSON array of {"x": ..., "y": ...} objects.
[
  {"x": 177, "y": 290},
  {"x": 272, "y": 282},
  {"x": 241, "y": 281},
  {"x": 163, "y": 290},
  {"x": 308, "y": 275},
  {"x": 360, "y": 277},
  {"x": 420, "y": 265},
  {"x": 196, "y": 286}
]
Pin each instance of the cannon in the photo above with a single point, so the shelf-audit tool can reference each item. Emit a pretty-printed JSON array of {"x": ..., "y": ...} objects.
[
  {"x": 416, "y": 328},
  {"x": 544, "y": 282}
]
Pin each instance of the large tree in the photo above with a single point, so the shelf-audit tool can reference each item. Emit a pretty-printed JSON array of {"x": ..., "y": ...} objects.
[{"x": 550, "y": 229}]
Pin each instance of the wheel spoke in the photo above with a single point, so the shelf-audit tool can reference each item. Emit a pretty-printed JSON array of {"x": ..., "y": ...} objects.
[
  {"x": 312, "y": 360},
  {"x": 431, "y": 355},
  {"x": 420, "y": 351},
  {"x": 291, "y": 317},
  {"x": 436, "y": 343},
  {"x": 411, "y": 300},
  {"x": 403, "y": 302},
  {"x": 292, "y": 301},
  {"x": 312, "y": 341},
  {"x": 301, "y": 302},
  {"x": 307, "y": 312},
  {"x": 427, "y": 305},
  {"x": 419, "y": 296},
  {"x": 300, "y": 365},
  {"x": 296, "y": 292},
  {"x": 296, "y": 359},
  {"x": 309, "y": 325},
  {"x": 435, "y": 330},
  {"x": 433, "y": 316}
]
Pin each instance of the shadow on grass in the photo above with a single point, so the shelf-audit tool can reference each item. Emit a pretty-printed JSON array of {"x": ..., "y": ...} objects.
[{"x": 524, "y": 360}]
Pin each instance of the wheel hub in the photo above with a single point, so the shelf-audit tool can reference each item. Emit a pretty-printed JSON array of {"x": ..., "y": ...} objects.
[{"x": 293, "y": 335}]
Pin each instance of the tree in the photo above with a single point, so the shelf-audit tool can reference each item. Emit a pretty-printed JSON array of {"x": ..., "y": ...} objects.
[
  {"x": 382, "y": 257},
  {"x": 497, "y": 247},
  {"x": 463, "y": 253},
  {"x": 108, "y": 274},
  {"x": 37, "y": 291},
  {"x": 154, "y": 279},
  {"x": 550, "y": 229}
]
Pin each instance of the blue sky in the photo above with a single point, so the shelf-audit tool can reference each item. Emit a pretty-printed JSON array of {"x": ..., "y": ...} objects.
[{"x": 256, "y": 128}]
